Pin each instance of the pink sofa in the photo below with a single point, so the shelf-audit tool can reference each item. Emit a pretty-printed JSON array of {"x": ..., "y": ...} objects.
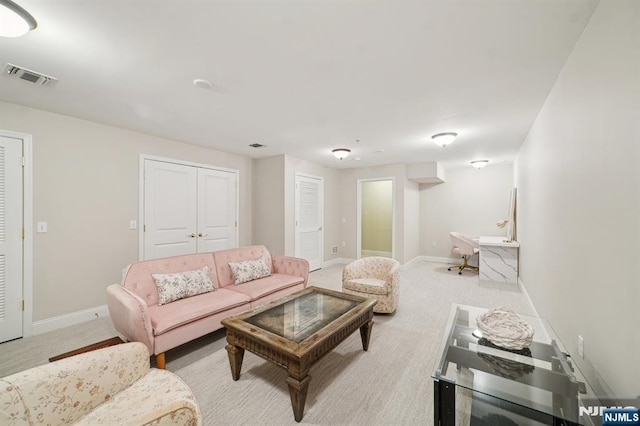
[{"x": 136, "y": 314}]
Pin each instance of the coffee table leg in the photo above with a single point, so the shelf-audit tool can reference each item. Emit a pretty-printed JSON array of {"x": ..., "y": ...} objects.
[
  {"x": 235, "y": 360},
  {"x": 298, "y": 393},
  {"x": 365, "y": 334}
]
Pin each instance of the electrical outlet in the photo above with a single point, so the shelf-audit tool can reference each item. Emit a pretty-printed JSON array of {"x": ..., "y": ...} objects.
[
  {"x": 433, "y": 243},
  {"x": 344, "y": 244},
  {"x": 580, "y": 346}
]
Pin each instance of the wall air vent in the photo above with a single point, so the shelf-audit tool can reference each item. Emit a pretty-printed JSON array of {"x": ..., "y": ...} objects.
[{"x": 35, "y": 77}]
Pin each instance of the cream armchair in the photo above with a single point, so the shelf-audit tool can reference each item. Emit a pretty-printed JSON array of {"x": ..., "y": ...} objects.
[
  {"x": 374, "y": 277},
  {"x": 110, "y": 386}
]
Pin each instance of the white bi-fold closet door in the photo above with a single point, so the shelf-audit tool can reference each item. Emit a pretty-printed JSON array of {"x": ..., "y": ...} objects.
[{"x": 188, "y": 209}]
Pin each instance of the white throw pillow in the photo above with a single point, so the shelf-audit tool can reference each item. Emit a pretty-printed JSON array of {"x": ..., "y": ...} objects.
[
  {"x": 249, "y": 270},
  {"x": 172, "y": 287}
]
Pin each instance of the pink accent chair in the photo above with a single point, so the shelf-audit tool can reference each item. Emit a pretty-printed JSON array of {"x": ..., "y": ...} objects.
[
  {"x": 375, "y": 278},
  {"x": 466, "y": 247}
]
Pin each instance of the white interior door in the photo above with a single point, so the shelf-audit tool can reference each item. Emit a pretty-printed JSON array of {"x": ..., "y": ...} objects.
[
  {"x": 309, "y": 220},
  {"x": 170, "y": 215},
  {"x": 217, "y": 210},
  {"x": 11, "y": 250}
]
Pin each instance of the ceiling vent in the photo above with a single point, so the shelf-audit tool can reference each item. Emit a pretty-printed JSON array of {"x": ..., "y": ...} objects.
[
  {"x": 257, "y": 145},
  {"x": 16, "y": 71}
]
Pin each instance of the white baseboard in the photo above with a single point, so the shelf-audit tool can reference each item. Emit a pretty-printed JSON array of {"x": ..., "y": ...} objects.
[
  {"x": 526, "y": 295},
  {"x": 369, "y": 253},
  {"x": 338, "y": 261},
  {"x": 62, "y": 321},
  {"x": 415, "y": 259}
]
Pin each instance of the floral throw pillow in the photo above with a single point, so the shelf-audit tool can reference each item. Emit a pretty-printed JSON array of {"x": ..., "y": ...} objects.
[
  {"x": 249, "y": 270},
  {"x": 172, "y": 287}
]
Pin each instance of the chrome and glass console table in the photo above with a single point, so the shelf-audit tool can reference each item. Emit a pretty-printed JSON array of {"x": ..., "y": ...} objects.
[{"x": 538, "y": 385}]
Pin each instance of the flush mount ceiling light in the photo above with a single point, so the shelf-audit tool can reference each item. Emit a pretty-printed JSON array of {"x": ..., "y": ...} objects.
[
  {"x": 14, "y": 20},
  {"x": 341, "y": 153},
  {"x": 478, "y": 164},
  {"x": 202, "y": 83},
  {"x": 444, "y": 139}
]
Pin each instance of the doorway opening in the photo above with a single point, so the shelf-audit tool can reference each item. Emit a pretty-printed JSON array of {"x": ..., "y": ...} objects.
[{"x": 376, "y": 217}]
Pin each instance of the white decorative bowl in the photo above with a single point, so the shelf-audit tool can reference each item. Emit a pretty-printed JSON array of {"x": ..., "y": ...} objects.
[{"x": 504, "y": 328}]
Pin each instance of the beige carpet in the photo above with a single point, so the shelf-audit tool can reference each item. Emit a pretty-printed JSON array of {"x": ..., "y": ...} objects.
[{"x": 388, "y": 385}]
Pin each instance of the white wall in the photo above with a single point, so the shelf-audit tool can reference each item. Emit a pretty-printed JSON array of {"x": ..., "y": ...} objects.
[
  {"x": 86, "y": 184},
  {"x": 411, "y": 220},
  {"x": 86, "y": 188},
  {"x": 471, "y": 201},
  {"x": 269, "y": 203},
  {"x": 578, "y": 209}
]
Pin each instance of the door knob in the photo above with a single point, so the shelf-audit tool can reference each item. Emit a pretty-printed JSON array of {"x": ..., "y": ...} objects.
[
  {"x": 192, "y": 235},
  {"x": 320, "y": 229},
  {"x": 202, "y": 234}
]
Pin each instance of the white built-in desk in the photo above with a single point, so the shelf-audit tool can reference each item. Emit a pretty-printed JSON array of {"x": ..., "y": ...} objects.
[{"x": 498, "y": 260}]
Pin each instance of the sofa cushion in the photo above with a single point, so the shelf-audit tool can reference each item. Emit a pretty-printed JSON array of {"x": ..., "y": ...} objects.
[
  {"x": 223, "y": 257},
  {"x": 176, "y": 286},
  {"x": 367, "y": 285},
  {"x": 249, "y": 270},
  {"x": 137, "y": 276},
  {"x": 183, "y": 311},
  {"x": 264, "y": 286}
]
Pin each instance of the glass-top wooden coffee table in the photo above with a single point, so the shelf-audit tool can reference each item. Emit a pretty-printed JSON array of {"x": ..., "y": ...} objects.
[{"x": 296, "y": 331}]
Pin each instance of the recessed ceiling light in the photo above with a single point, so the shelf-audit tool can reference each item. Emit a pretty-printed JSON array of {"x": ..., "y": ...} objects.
[
  {"x": 201, "y": 83},
  {"x": 478, "y": 164}
]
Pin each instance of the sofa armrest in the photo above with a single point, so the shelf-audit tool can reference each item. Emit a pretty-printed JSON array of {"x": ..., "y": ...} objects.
[
  {"x": 13, "y": 410},
  {"x": 66, "y": 390},
  {"x": 393, "y": 279},
  {"x": 130, "y": 315},
  {"x": 159, "y": 398},
  {"x": 288, "y": 265}
]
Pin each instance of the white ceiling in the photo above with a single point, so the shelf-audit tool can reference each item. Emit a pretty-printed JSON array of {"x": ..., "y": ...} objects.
[{"x": 304, "y": 76}]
